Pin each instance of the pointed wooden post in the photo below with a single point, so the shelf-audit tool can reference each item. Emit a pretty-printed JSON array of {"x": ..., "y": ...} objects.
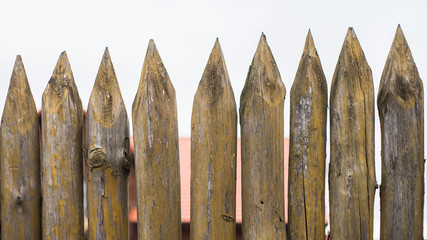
[
  {"x": 307, "y": 149},
  {"x": 352, "y": 166},
  {"x": 401, "y": 110},
  {"x": 213, "y": 153},
  {"x": 107, "y": 156},
  {"x": 155, "y": 131},
  {"x": 62, "y": 163},
  {"x": 20, "y": 161},
  {"x": 261, "y": 121}
]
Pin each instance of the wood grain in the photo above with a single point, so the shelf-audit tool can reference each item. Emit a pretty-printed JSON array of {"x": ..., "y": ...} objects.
[
  {"x": 401, "y": 110},
  {"x": 20, "y": 161},
  {"x": 62, "y": 163},
  {"x": 155, "y": 130},
  {"x": 352, "y": 165},
  {"x": 213, "y": 153},
  {"x": 107, "y": 157},
  {"x": 261, "y": 121},
  {"x": 307, "y": 148}
]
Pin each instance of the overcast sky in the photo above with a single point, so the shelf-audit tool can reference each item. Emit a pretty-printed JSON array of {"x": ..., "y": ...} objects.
[{"x": 185, "y": 31}]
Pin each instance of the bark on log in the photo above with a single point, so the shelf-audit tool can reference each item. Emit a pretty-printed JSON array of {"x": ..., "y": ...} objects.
[
  {"x": 20, "y": 161},
  {"x": 155, "y": 131},
  {"x": 62, "y": 163},
  {"x": 261, "y": 120},
  {"x": 352, "y": 166},
  {"x": 213, "y": 153},
  {"x": 107, "y": 157},
  {"x": 307, "y": 149},
  {"x": 401, "y": 110}
]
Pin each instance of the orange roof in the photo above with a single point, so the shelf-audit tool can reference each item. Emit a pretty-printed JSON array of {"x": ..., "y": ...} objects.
[{"x": 185, "y": 168}]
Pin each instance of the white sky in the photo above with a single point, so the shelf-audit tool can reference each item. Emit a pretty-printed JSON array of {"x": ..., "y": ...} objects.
[{"x": 185, "y": 31}]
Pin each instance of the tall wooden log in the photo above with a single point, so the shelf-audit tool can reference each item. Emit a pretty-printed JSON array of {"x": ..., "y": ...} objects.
[
  {"x": 20, "y": 161},
  {"x": 155, "y": 131},
  {"x": 352, "y": 165},
  {"x": 107, "y": 157},
  {"x": 401, "y": 110},
  {"x": 307, "y": 147},
  {"x": 62, "y": 163},
  {"x": 261, "y": 120},
  {"x": 213, "y": 153}
]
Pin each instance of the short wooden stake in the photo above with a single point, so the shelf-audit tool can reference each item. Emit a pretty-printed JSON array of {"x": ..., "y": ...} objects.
[
  {"x": 307, "y": 148},
  {"x": 62, "y": 158},
  {"x": 261, "y": 121},
  {"x": 155, "y": 131},
  {"x": 401, "y": 110},
  {"x": 20, "y": 161},
  {"x": 107, "y": 157},
  {"x": 352, "y": 166},
  {"x": 213, "y": 153}
]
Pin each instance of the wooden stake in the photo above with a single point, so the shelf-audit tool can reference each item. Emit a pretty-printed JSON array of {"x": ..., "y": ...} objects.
[
  {"x": 107, "y": 156},
  {"x": 155, "y": 130},
  {"x": 307, "y": 149},
  {"x": 261, "y": 120},
  {"x": 62, "y": 163},
  {"x": 401, "y": 110},
  {"x": 213, "y": 153},
  {"x": 20, "y": 161},
  {"x": 352, "y": 166}
]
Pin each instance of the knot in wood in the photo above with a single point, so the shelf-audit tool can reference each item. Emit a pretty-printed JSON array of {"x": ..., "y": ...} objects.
[
  {"x": 126, "y": 162},
  {"x": 212, "y": 87},
  {"x": 96, "y": 158},
  {"x": 227, "y": 218}
]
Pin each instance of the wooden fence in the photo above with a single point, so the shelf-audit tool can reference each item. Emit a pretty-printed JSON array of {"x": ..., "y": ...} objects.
[{"x": 41, "y": 193}]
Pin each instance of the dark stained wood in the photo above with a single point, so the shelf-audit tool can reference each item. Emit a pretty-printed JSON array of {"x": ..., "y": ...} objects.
[
  {"x": 307, "y": 148},
  {"x": 401, "y": 110},
  {"x": 352, "y": 166},
  {"x": 20, "y": 161},
  {"x": 155, "y": 131},
  {"x": 261, "y": 121},
  {"x": 62, "y": 163},
  {"x": 107, "y": 157},
  {"x": 213, "y": 153}
]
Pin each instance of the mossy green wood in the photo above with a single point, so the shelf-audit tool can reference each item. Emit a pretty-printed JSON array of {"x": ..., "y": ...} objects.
[
  {"x": 352, "y": 166},
  {"x": 213, "y": 153},
  {"x": 20, "y": 161},
  {"x": 307, "y": 148},
  {"x": 401, "y": 110},
  {"x": 261, "y": 121},
  {"x": 107, "y": 157},
  {"x": 62, "y": 163},
  {"x": 155, "y": 130}
]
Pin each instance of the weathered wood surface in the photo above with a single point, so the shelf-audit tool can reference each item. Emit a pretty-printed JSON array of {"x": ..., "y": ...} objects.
[
  {"x": 352, "y": 166},
  {"x": 107, "y": 157},
  {"x": 401, "y": 110},
  {"x": 62, "y": 163},
  {"x": 307, "y": 148},
  {"x": 213, "y": 153},
  {"x": 261, "y": 120},
  {"x": 20, "y": 161},
  {"x": 155, "y": 131}
]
